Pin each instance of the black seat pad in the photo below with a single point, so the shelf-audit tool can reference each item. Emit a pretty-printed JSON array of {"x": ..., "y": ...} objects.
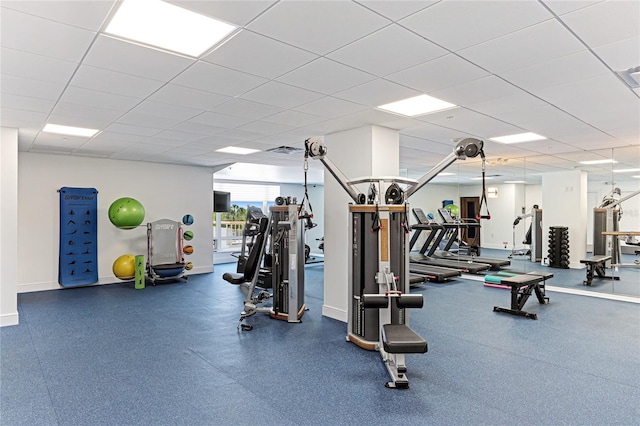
[
  {"x": 233, "y": 278},
  {"x": 400, "y": 339}
]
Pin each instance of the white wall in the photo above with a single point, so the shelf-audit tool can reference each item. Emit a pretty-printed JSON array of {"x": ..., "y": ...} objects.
[
  {"x": 8, "y": 230},
  {"x": 564, "y": 203},
  {"x": 165, "y": 191}
]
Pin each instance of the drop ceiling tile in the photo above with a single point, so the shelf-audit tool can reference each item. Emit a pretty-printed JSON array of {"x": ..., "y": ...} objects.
[
  {"x": 397, "y": 9},
  {"x": 504, "y": 107},
  {"x": 179, "y": 136},
  {"x": 11, "y": 84},
  {"x": 169, "y": 111},
  {"x": 474, "y": 21},
  {"x": 318, "y": 27},
  {"x": 197, "y": 128},
  {"x": 187, "y": 97},
  {"x": 27, "y": 103},
  {"x": 51, "y": 39},
  {"x": 522, "y": 48},
  {"x": 386, "y": 51},
  {"x": 376, "y": 92},
  {"x": 32, "y": 66},
  {"x": 247, "y": 109},
  {"x": 145, "y": 120},
  {"x": 563, "y": 70},
  {"x": 237, "y": 12},
  {"x": 62, "y": 141},
  {"x": 80, "y": 96},
  {"x": 115, "y": 55},
  {"x": 132, "y": 129},
  {"x": 258, "y": 55},
  {"x": 471, "y": 122},
  {"x": 587, "y": 22},
  {"x": 10, "y": 117},
  {"x": 88, "y": 15},
  {"x": 330, "y": 107},
  {"x": 281, "y": 95},
  {"x": 217, "y": 79},
  {"x": 97, "y": 115},
  {"x": 264, "y": 128},
  {"x": 598, "y": 98},
  {"x": 325, "y": 76},
  {"x": 440, "y": 73},
  {"x": 436, "y": 133},
  {"x": 560, "y": 7},
  {"x": 293, "y": 118},
  {"x": 103, "y": 80},
  {"x": 620, "y": 55},
  {"x": 219, "y": 120},
  {"x": 480, "y": 90},
  {"x": 240, "y": 135}
]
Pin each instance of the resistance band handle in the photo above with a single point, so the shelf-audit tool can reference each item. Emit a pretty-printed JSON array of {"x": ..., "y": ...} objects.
[{"x": 488, "y": 216}]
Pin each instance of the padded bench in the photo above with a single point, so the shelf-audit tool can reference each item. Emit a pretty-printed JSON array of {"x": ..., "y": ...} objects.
[
  {"x": 400, "y": 339},
  {"x": 596, "y": 264},
  {"x": 521, "y": 288}
]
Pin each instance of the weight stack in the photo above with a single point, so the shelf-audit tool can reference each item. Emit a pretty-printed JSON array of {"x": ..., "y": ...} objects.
[{"x": 558, "y": 253}]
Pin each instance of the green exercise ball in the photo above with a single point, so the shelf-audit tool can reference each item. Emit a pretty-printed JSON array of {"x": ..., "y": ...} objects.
[
  {"x": 453, "y": 209},
  {"x": 188, "y": 235},
  {"x": 126, "y": 213}
]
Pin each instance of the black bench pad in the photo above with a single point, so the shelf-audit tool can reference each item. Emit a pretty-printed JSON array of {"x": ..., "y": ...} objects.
[
  {"x": 400, "y": 339},
  {"x": 596, "y": 259},
  {"x": 233, "y": 278}
]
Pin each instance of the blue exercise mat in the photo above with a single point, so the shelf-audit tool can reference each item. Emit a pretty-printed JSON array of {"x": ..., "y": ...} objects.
[{"x": 78, "y": 260}]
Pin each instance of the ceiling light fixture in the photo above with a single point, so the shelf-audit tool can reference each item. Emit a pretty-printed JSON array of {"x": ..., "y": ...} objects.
[
  {"x": 69, "y": 130},
  {"x": 237, "y": 150},
  {"x": 591, "y": 162},
  {"x": 517, "y": 138},
  {"x": 417, "y": 105},
  {"x": 515, "y": 181},
  {"x": 480, "y": 178},
  {"x": 626, "y": 170},
  {"x": 166, "y": 26}
]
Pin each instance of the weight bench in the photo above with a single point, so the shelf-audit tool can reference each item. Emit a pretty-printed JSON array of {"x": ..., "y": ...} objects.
[
  {"x": 596, "y": 264},
  {"x": 521, "y": 288},
  {"x": 396, "y": 340}
]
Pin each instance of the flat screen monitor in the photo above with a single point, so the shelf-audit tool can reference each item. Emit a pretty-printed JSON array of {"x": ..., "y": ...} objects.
[{"x": 221, "y": 201}]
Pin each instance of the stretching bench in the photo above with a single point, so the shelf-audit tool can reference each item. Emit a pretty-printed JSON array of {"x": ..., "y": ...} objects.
[{"x": 521, "y": 288}]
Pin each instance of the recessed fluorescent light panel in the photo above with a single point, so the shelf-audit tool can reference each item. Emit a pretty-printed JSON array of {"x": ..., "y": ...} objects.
[
  {"x": 515, "y": 181},
  {"x": 237, "y": 150},
  {"x": 417, "y": 105},
  {"x": 517, "y": 138},
  {"x": 68, "y": 130},
  {"x": 626, "y": 170},
  {"x": 479, "y": 178},
  {"x": 607, "y": 161},
  {"x": 166, "y": 26}
]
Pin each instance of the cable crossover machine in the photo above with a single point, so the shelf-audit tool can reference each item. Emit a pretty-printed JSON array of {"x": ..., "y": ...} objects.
[{"x": 379, "y": 259}]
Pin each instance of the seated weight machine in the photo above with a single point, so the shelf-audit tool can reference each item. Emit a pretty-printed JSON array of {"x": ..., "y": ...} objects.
[
  {"x": 379, "y": 274},
  {"x": 533, "y": 237},
  {"x": 271, "y": 263}
]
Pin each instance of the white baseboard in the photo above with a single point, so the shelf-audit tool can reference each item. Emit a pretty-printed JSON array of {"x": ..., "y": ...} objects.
[
  {"x": 52, "y": 285},
  {"x": 336, "y": 314},
  {"x": 9, "y": 319}
]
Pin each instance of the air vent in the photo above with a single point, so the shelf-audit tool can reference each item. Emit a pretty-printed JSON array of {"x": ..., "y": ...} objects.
[
  {"x": 285, "y": 150},
  {"x": 631, "y": 77}
]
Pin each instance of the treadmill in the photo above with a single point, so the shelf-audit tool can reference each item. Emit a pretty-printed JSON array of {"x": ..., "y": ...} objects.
[
  {"x": 448, "y": 223},
  {"x": 437, "y": 232}
]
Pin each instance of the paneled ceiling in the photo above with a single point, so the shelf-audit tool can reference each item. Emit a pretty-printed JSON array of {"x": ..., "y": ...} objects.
[{"x": 309, "y": 68}]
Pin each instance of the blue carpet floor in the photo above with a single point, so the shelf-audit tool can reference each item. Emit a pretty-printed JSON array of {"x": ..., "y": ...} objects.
[{"x": 171, "y": 355}]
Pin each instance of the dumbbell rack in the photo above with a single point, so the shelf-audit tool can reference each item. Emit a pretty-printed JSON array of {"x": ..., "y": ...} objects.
[{"x": 558, "y": 253}]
